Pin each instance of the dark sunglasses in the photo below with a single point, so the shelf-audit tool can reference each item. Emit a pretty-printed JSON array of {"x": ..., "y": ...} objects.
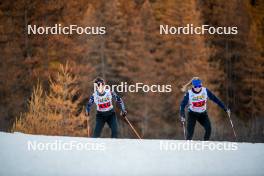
[{"x": 197, "y": 86}]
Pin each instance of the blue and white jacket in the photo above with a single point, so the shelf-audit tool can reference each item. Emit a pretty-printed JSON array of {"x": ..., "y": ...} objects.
[
  {"x": 104, "y": 101},
  {"x": 197, "y": 101}
]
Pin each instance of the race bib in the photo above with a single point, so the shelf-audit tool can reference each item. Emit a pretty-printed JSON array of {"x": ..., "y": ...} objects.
[
  {"x": 198, "y": 104},
  {"x": 197, "y": 101},
  {"x": 104, "y": 105}
]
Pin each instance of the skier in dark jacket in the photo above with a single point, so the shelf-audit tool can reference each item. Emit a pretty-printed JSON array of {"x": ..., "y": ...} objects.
[
  {"x": 196, "y": 99},
  {"x": 102, "y": 97}
]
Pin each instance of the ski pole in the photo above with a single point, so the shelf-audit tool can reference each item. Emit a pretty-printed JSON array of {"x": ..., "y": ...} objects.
[
  {"x": 184, "y": 132},
  {"x": 134, "y": 130},
  {"x": 88, "y": 126},
  {"x": 88, "y": 123},
  {"x": 231, "y": 122}
]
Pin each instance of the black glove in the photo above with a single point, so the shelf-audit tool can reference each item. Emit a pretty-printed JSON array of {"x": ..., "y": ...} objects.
[{"x": 123, "y": 113}]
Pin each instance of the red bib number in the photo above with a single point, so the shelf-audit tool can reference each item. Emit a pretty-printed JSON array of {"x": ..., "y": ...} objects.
[
  {"x": 198, "y": 104},
  {"x": 104, "y": 105}
]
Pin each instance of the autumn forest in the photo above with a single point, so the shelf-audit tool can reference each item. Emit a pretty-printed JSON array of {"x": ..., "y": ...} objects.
[{"x": 46, "y": 80}]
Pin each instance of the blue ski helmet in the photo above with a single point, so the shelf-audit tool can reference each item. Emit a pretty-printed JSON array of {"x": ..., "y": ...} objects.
[{"x": 197, "y": 83}]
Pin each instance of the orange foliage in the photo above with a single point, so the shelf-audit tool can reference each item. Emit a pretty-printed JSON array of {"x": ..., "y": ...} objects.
[{"x": 54, "y": 113}]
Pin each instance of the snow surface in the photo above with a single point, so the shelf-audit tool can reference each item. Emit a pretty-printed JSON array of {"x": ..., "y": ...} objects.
[{"x": 123, "y": 157}]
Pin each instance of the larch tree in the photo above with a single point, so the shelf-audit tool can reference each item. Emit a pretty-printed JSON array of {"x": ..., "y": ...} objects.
[{"x": 55, "y": 112}]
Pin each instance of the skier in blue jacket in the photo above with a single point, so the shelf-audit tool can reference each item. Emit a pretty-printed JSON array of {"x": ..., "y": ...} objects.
[
  {"x": 103, "y": 97},
  {"x": 196, "y": 99}
]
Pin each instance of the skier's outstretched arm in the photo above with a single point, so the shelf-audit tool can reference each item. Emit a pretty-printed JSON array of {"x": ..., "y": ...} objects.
[
  {"x": 216, "y": 100},
  {"x": 89, "y": 105},
  {"x": 183, "y": 105},
  {"x": 120, "y": 103}
]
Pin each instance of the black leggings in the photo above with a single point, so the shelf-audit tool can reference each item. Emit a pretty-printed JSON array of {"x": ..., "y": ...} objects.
[
  {"x": 203, "y": 119},
  {"x": 110, "y": 119}
]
